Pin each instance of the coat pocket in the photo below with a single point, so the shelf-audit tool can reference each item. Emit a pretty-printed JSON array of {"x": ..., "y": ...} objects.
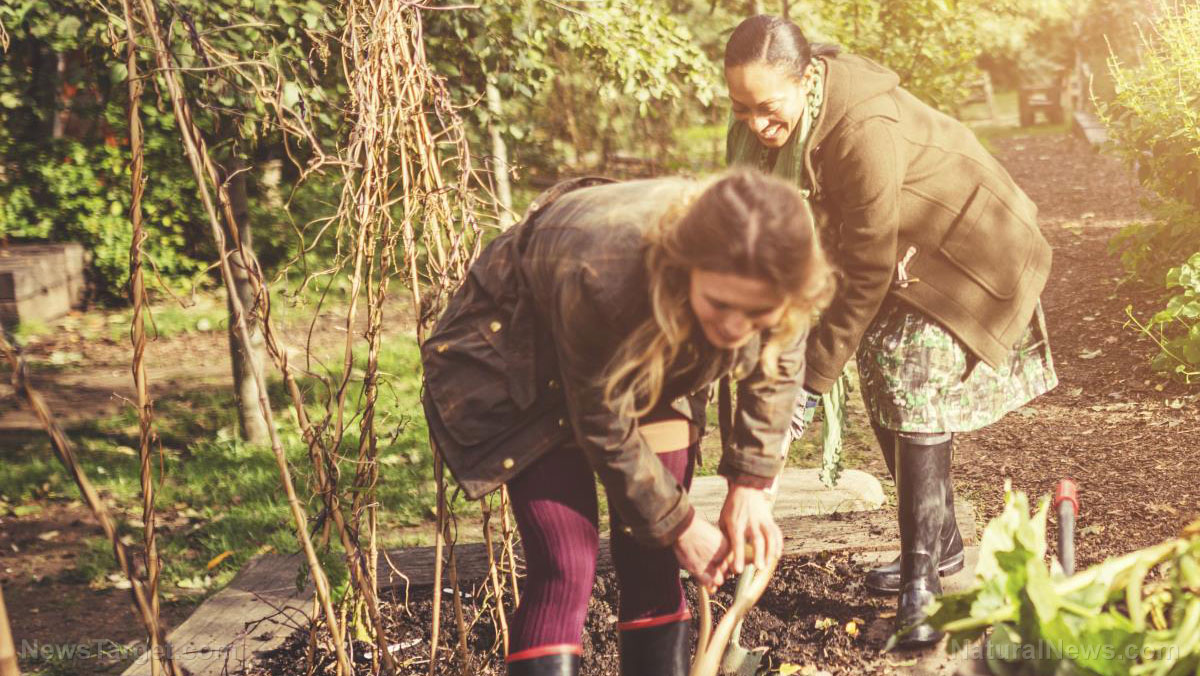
[
  {"x": 991, "y": 244},
  {"x": 469, "y": 378}
]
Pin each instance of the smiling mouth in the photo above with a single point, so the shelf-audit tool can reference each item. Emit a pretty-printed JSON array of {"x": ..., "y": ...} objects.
[{"x": 772, "y": 132}]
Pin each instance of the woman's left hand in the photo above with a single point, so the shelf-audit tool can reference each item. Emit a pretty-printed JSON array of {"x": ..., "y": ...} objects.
[{"x": 746, "y": 518}]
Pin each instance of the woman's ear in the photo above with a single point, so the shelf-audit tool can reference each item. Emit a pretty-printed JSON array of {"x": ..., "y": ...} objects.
[{"x": 806, "y": 80}]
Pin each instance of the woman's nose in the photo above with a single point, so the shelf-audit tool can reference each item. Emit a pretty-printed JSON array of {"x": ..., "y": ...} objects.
[
  {"x": 736, "y": 324},
  {"x": 757, "y": 124}
]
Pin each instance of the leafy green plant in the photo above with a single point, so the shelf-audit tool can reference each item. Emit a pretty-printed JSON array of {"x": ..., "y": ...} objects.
[
  {"x": 1154, "y": 118},
  {"x": 70, "y": 190},
  {"x": 1154, "y": 124},
  {"x": 1131, "y": 615},
  {"x": 1176, "y": 327}
]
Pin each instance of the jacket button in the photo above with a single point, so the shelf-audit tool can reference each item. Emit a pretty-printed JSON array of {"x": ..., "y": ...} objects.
[
  {"x": 495, "y": 327},
  {"x": 628, "y": 530},
  {"x": 739, "y": 372},
  {"x": 552, "y": 384},
  {"x": 562, "y": 422},
  {"x": 443, "y": 347},
  {"x": 508, "y": 463}
]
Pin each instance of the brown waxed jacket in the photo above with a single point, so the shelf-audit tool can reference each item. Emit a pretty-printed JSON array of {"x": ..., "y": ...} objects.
[
  {"x": 907, "y": 188},
  {"x": 513, "y": 368}
]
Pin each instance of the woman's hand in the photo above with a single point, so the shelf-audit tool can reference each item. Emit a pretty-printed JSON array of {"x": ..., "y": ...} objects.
[
  {"x": 804, "y": 412},
  {"x": 746, "y": 517},
  {"x": 703, "y": 551}
]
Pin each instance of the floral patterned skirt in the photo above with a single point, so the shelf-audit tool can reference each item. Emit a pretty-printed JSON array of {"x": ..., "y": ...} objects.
[{"x": 917, "y": 377}]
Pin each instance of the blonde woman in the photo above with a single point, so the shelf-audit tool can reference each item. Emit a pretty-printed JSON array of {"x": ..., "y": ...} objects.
[{"x": 583, "y": 344}]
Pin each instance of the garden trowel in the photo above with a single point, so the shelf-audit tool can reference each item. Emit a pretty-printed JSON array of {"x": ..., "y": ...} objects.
[{"x": 737, "y": 660}]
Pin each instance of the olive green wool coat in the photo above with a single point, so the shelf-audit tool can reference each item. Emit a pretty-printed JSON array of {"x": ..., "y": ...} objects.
[{"x": 918, "y": 209}]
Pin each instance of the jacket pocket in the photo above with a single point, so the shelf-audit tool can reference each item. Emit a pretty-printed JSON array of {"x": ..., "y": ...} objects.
[
  {"x": 469, "y": 377},
  {"x": 991, "y": 244}
]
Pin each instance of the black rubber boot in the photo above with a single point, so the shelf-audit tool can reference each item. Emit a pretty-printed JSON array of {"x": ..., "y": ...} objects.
[
  {"x": 922, "y": 478},
  {"x": 558, "y": 664},
  {"x": 886, "y": 578},
  {"x": 656, "y": 651}
]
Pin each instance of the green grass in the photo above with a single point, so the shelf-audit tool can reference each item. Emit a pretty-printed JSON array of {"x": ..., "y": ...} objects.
[
  {"x": 30, "y": 330},
  {"x": 219, "y": 494},
  {"x": 204, "y": 312},
  {"x": 168, "y": 318}
]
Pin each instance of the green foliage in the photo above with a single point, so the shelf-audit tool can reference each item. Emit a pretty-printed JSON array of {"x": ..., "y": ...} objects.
[
  {"x": 1154, "y": 124},
  {"x": 70, "y": 190},
  {"x": 1116, "y": 618},
  {"x": 1154, "y": 118},
  {"x": 936, "y": 45},
  {"x": 931, "y": 44},
  {"x": 64, "y": 150},
  {"x": 577, "y": 83},
  {"x": 1176, "y": 327}
]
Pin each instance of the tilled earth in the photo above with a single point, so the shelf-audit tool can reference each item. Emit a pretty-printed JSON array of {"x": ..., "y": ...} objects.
[{"x": 815, "y": 612}]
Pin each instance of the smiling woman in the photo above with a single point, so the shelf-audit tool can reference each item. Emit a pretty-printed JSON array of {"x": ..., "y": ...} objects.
[
  {"x": 752, "y": 68},
  {"x": 943, "y": 265},
  {"x": 583, "y": 345},
  {"x": 731, "y": 308}
]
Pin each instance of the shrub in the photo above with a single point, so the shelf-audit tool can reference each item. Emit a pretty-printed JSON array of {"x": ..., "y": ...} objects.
[{"x": 1154, "y": 124}]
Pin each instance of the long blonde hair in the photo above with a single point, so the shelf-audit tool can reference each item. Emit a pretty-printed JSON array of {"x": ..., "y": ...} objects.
[{"x": 744, "y": 223}]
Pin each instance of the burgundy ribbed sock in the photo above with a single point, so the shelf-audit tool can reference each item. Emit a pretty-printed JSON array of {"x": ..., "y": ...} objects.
[
  {"x": 648, "y": 577},
  {"x": 554, "y": 501}
]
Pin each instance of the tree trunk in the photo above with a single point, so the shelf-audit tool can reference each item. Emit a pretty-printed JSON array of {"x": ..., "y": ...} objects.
[
  {"x": 499, "y": 156},
  {"x": 43, "y": 90},
  {"x": 787, "y": 6},
  {"x": 251, "y": 423},
  {"x": 60, "y": 99}
]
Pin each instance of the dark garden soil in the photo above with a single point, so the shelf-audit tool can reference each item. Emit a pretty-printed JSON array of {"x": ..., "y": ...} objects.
[
  {"x": 816, "y": 612},
  {"x": 1130, "y": 438}
]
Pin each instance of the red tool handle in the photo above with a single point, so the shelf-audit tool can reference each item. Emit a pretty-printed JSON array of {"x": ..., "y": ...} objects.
[{"x": 1067, "y": 492}]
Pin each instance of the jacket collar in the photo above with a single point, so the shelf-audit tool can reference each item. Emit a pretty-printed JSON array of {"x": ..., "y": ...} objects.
[{"x": 849, "y": 80}]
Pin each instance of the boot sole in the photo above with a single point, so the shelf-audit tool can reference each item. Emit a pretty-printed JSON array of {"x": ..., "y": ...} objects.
[
  {"x": 954, "y": 567},
  {"x": 911, "y": 644}
]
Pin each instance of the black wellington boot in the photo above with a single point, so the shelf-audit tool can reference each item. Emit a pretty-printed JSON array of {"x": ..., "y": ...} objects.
[
  {"x": 556, "y": 664},
  {"x": 886, "y": 578},
  {"x": 922, "y": 480},
  {"x": 656, "y": 651}
]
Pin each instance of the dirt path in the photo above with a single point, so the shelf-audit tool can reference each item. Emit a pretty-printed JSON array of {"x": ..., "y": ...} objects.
[{"x": 1130, "y": 438}]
